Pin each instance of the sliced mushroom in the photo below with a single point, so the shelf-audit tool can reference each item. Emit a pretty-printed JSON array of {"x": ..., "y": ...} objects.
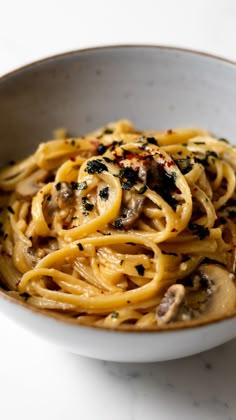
[
  {"x": 212, "y": 294},
  {"x": 131, "y": 209},
  {"x": 170, "y": 305},
  {"x": 221, "y": 290},
  {"x": 65, "y": 196},
  {"x": 29, "y": 187}
]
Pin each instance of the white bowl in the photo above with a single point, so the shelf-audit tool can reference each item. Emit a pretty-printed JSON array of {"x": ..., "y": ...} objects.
[{"x": 155, "y": 87}]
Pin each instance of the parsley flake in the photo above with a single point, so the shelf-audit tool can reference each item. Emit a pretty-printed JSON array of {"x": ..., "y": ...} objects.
[{"x": 140, "y": 269}]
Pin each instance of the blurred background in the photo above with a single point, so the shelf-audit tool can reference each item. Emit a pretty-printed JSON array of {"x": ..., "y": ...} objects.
[{"x": 34, "y": 29}]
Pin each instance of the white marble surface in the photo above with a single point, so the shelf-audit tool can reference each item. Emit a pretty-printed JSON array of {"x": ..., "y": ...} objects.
[{"x": 38, "y": 381}]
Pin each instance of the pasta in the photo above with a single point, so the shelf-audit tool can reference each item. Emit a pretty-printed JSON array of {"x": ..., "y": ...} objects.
[{"x": 123, "y": 228}]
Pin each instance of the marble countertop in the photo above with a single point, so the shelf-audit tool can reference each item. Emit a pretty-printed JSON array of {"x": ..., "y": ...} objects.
[{"x": 38, "y": 381}]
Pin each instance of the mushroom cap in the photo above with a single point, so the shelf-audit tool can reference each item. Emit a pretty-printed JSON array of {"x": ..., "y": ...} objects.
[
  {"x": 221, "y": 290},
  {"x": 169, "y": 307},
  {"x": 29, "y": 186}
]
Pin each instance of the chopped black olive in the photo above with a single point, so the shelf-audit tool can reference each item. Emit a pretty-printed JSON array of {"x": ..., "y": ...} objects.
[
  {"x": 115, "y": 314},
  {"x": 104, "y": 193},
  {"x": 185, "y": 258},
  {"x": 140, "y": 269},
  {"x": 108, "y": 131},
  {"x": 142, "y": 189},
  {"x": 162, "y": 182},
  {"x": 58, "y": 186},
  {"x": 232, "y": 213},
  {"x": 10, "y": 209},
  {"x": 152, "y": 140},
  {"x": 72, "y": 142},
  {"x": 95, "y": 166},
  {"x": 101, "y": 149},
  {"x": 107, "y": 159},
  {"x": 47, "y": 197},
  {"x": 79, "y": 185},
  {"x": 118, "y": 224},
  {"x": 199, "y": 230},
  {"x": 223, "y": 139},
  {"x": 80, "y": 246}
]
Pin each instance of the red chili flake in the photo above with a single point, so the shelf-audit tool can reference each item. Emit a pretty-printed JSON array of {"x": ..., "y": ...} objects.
[
  {"x": 66, "y": 142},
  {"x": 72, "y": 158},
  {"x": 173, "y": 230},
  {"x": 5, "y": 254},
  {"x": 94, "y": 143},
  {"x": 169, "y": 131},
  {"x": 170, "y": 163}
]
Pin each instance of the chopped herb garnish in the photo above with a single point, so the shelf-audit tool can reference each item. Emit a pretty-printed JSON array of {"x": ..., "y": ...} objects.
[
  {"x": 185, "y": 258},
  {"x": 80, "y": 246},
  {"x": 85, "y": 213},
  {"x": 152, "y": 140},
  {"x": 101, "y": 149},
  {"x": 104, "y": 193},
  {"x": 169, "y": 253},
  {"x": 142, "y": 189},
  {"x": 140, "y": 269},
  {"x": 184, "y": 165},
  {"x": 130, "y": 243},
  {"x": 118, "y": 224},
  {"x": 58, "y": 186},
  {"x": 10, "y": 209},
  {"x": 88, "y": 206},
  {"x": 224, "y": 140},
  {"x": 25, "y": 295},
  {"x": 199, "y": 142},
  {"x": 115, "y": 314},
  {"x": 121, "y": 262},
  {"x": 108, "y": 131},
  {"x": 128, "y": 177},
  {"x": 79, "y": 185},
  {"x": 199, "y": 230},
  {"x": 74, "y": 217},
  {"x": 5, "y": 236},
  {"x": 95, "y": 166}
]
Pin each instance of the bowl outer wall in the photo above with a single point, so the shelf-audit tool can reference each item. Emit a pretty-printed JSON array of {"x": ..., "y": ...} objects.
[{"x": 155, "y": 87}]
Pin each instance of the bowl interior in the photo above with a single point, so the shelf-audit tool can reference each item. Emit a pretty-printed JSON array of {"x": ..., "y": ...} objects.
[{"x": 154, "y": 87}]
